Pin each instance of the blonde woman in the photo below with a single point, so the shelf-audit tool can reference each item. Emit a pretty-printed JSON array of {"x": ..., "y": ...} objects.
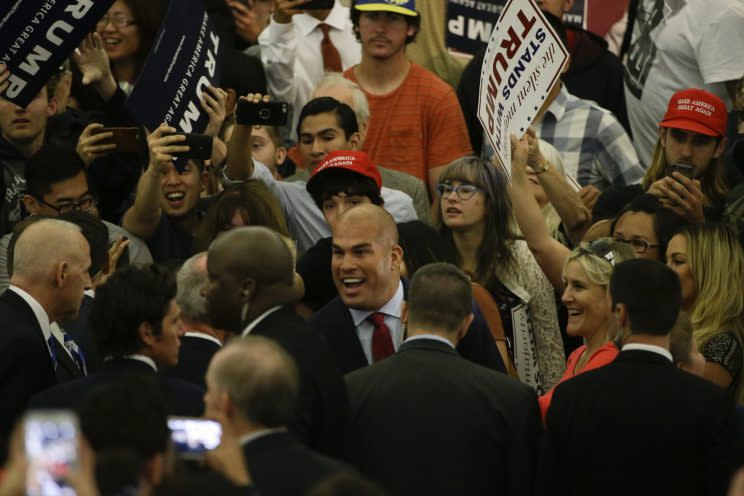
[
  {"x": 710, "y": 263},
  {"x": 586, "y": 276}
]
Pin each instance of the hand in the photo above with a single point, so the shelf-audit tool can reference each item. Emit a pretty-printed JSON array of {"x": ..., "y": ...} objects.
[
  {"x": 228, "y": 458},
  {"x": 114, "y": 254},
  {"x": 83, "y": 478},
  {"x": 13, "y": 482},
  {"x": 535, "y": 159},
  {"x": 88, "y": 147},
  {"x": 254, "y": 98},
  {"x": 285, "y": 9},
  {"x": 91, "y": 59},
  {"x": 247, "y": 25},
  {"x": 589, "y": 196},
  {"x": 737, "y": 484},
  {"x": 4, "y": 75},
  {"x": 162, "y": 148},
  {"x": 681, "y": 195},
  {"x": 520, "y": 151},
  {"x": 213, "y": 102}
]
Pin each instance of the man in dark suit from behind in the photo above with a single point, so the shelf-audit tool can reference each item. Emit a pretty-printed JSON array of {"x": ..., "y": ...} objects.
[
  {"x": 251, "y": 290},
  {"x": 252, "y": 388},
  {"x": 136, "y": 323},
  {"x": 640, "y": 425},
  {"x": 201, "y": 340},
  {"x": 50, "y": 274},
  {"x": 427, "y": 421}
]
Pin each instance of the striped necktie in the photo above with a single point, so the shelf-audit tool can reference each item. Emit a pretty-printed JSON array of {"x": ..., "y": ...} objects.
[{"x": 76, "y": 352}]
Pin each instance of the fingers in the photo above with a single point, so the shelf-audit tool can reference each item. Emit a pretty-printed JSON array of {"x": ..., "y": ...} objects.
[
  {"x": 162, "y": 145},
  {"x": 116, "y": 251},
  {"x": 239, "y": 8},
  {"x": 256, "y": 98}
]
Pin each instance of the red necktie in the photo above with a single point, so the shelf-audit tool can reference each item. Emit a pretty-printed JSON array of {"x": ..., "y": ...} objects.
[
  {"x": 382, "y": 342},
  {"x": 331, "y": 57}
]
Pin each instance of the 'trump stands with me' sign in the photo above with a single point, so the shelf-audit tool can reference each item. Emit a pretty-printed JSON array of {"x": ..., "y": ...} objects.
[
  {"x": 185, "y": 59},
  {"x": 523, "y": 60},
  {"x": 36, "y": 36}
]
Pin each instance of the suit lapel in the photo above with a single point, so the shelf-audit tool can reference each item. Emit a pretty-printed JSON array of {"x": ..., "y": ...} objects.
[{"x": 66, "y": 366}]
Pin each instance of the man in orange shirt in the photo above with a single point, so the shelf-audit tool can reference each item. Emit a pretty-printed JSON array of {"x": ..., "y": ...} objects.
[{"x": 416, "y": 123}]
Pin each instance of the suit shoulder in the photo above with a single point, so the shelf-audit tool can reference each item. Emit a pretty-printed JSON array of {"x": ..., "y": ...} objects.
[{"x": 329, "y": 313}]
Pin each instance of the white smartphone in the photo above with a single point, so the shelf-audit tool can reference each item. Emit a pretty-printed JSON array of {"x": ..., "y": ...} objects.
[
  {"x": 51, "y": 443},
  {"x": 193, "y": 437}
]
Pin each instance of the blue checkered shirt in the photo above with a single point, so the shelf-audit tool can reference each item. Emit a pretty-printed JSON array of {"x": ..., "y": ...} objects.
[{"x": 594, "y": 146}]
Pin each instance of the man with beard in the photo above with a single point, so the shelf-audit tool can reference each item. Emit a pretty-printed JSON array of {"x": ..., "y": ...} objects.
[{"x": 250, "y": 292}]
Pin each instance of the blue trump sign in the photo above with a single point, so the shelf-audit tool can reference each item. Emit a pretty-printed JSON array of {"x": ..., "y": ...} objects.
[
  {"x": 185, "y": 59},
  {"x": 36, "y": 36}
]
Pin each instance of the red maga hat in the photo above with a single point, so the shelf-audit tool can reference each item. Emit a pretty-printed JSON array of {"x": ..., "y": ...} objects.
[
  {"x": 358, "y": 162},
  {"x": 698, "y": 111}
]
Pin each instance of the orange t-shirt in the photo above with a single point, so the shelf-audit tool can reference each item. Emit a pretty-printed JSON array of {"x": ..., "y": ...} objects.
[
  {"x": 417, "y": 126},
  {"x": 604, "y": 355}
]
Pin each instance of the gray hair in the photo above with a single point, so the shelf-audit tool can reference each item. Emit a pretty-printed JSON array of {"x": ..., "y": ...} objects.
[
  {"x": 190, "y": 281},
  {"x": 359, "y": 103}
]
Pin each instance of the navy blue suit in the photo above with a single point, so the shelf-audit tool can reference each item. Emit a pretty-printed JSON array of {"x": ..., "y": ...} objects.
[
  {"x": 181, "y": 398},
  {"x": 335, "y": 323}
]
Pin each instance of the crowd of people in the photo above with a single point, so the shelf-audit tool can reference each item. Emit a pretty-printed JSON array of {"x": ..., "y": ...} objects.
[{"x": 365, "y": 300}]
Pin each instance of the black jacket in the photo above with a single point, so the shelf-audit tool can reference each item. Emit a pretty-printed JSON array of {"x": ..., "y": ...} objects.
[
  {"x": 194, "y": 356},
  {"x": 639, "y": 426},
  {"x": 12, "y": 185}
]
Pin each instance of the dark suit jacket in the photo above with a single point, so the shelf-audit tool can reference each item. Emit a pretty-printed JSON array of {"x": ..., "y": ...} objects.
[
  {"x": 335, "y": 323},
  {"x": 81, "y": 332},
  {"x": 323, "y": 412},
  {"x": 640, "y": 426},
  {"x": 25, "y": 365},
  {"x": 181, "y": 398},
  {"x": 193, "y": 359},
  {"x": 427, "y": 421},
  {"x": 281, "y": 466}
]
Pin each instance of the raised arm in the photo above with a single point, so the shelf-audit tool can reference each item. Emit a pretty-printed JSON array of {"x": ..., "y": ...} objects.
[
  {"x": 239, "y": 156},
  {"x": 143, "y": 217},
  {"x": 576, "y": 217},
  {"x": 549, "y": 253}
]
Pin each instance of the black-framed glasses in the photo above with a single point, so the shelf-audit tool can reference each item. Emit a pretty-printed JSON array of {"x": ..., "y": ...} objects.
[
  {"x": 464, "y": 191},
  {"x": 638, "y": 245},
  {"x": 86, "y": 204},
  {"x": 117, "y": 20}
]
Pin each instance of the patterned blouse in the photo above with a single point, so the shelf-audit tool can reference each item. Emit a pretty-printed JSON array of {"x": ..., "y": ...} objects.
[{"x": 726, "y": 350}]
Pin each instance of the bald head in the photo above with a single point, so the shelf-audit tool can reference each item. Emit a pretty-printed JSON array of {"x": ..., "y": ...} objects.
[
  {"x": 260, "y": 379},
  {"x": 369, "y": 216},
  {"x": 253, "y": 252},
  {"x": 46, "y": 243}
]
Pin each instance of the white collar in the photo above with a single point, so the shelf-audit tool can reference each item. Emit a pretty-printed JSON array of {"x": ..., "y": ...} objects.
[
  {"x": 255, "y": 435},
  {"x": 90, "y": 292},
  {"x": 201, "y": 335},
  {"x": 649, "y": 347},
  {"x": 39, "y": 312},
  {"x": 337, "y": 18},
  {"x": 258, "y": 319},
  {"x": 392, "y": 308},
  {"x": 433, "y": 337},
  {"x": 140, "y": 358}
]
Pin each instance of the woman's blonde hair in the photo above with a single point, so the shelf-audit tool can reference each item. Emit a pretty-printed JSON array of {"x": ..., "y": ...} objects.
[
  {"x": 716, "y": 261},
  {"x": 599, "y": 258},
  {"x": 713, "y": 181}
]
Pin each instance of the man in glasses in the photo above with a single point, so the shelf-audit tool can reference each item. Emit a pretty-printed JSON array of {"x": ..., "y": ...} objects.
[{"x": 56, "y": 183}]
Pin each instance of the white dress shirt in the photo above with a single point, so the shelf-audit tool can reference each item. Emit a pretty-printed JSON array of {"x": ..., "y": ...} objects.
[
  {"x": 258, "y": 319},
  {"x": 649, "y": 347},
  {"x": 255, "y": 435},
  {"x": 41, "y": 316},
  {"x": 293, "y": 60},
  {"x": 365, "y": 329},
  {"x": 433, "y": 337}
]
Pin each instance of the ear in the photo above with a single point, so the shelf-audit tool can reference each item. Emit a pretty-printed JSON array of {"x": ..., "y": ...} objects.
[
  {"x": 621, "y": 314},
  {"x": 397, "y": 256},
  {"x": 355, "y": 141},
  {"x": 721, "y": 148},
  {"x": 411, "y": 30},
  {"x": 146, "y": 335},
  {"x": 230, "y": 101},
  {"x": 204, "y": 180},
  {"x": 60, "y": 275},
  {"x": 247, "y": 290},
  {"x": 52, "y": 106},
  {"x": 280, "y": 155},
  {"x": 31, "y": 204},
  {"x": 662, "y": 135}
]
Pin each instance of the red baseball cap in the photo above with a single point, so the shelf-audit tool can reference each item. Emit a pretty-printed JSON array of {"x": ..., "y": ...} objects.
[
  {"x": 357, "y": 162},
  {"x": 698, "y": 111}
]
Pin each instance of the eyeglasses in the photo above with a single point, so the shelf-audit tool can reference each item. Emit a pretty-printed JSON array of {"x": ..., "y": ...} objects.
[
  {"x": 638, "y": 245},
  {"x": 465, "y": 191},
  {"x": 86, "y": 204},
  {"x": 116, "y": 20}
]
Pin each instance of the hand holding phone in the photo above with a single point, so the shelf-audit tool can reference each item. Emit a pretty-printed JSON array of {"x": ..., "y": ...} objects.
[
  {"x": 51, "y": 442},
  {"x": 254, "y": 110},
  {"x": 686, "y": 170},
  {"x": 200, "y": 146},
  {"x": 194, "y": 437},
  {"x": 125, "y": 139}
]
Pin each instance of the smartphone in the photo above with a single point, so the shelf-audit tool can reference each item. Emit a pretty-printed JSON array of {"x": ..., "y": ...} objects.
[
  {"x": 127, "y": 139},
  {"x": 193, "y": 437},
  {"x": 51, "y": 441},
  {"x": 200, "y": 146},
  {"x": 262, "y": 114},
  {"x": 686, "y": 170},
  {"x": 318, "y": 4}
]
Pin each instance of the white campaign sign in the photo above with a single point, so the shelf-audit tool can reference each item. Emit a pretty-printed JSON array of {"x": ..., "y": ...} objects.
[{"x": 523, "y": 60}]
